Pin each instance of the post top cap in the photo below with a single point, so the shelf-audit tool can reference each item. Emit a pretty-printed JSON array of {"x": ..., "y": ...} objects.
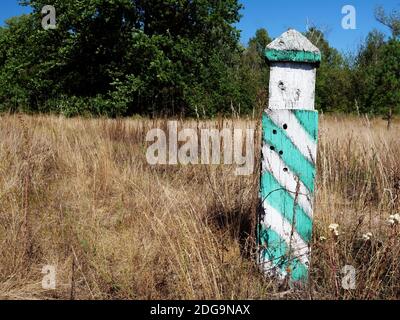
[{"x": 292, "y": 46}]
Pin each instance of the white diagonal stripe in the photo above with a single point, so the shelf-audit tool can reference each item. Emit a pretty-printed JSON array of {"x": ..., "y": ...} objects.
[
  {"x": 274, "y": 220},
  {"x": 296, "y": 133},
  {"x": 273, "y": 163}
]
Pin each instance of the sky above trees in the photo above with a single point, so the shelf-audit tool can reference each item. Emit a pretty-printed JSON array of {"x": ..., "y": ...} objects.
[{"x": 277, "y": 17}]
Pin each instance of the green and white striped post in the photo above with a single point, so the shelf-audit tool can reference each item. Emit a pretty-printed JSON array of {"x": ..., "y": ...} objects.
[{"x": 289, "y": 148}]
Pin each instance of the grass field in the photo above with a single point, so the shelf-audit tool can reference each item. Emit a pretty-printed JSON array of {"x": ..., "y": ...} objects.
[{"x": 78, "y": 194}]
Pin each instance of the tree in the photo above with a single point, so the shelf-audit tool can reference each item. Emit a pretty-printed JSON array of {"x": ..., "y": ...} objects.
[
  {"x": 173, "y": 57},
  {"x": 17, "y": 81},
  {"x": 121, "y": 57},
  {"x": 333, "y": 88},
  {"x": 366, "y": 63},
  {"x": 386, "y": 94},
  {"x": 391, "y": 20},
  {"x": 260, "y": 41},
  {"x": 255, "y": 66}
]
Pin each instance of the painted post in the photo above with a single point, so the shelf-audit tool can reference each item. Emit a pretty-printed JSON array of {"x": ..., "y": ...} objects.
[{"x": 289, "y": 149}]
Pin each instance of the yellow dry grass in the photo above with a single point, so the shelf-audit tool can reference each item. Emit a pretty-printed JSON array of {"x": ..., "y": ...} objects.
[{"x": 78, "y": 194}]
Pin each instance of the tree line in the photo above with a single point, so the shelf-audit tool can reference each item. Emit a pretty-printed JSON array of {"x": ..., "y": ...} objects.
[{"x": 175, "y": 57}]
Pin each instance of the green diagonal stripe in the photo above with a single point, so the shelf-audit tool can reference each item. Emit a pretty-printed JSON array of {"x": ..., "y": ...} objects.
[
  {"x": 309, "y": 121},
  {"x": 275, "y": 247},
  {"x": 277, "y": 251},
  {"x": 278, "y": 198},
  {"x": 292, "y": 157}
]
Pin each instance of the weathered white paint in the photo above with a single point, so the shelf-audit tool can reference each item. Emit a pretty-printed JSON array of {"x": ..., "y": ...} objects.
[
  {"x": 291, "y": 86},
  {"x": 292, "y": 40}
]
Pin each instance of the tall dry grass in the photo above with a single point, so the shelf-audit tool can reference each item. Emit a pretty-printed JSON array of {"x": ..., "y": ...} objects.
[{"x": 78, "y": 194}]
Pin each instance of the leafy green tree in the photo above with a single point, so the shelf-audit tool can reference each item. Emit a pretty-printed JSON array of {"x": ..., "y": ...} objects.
[
  {"x": 366, "y": 62},
  {"x": 255, "y": 70},
  {"x": 386, "y": 94},
  {"x": 173, "y": 57},
  {"x": 17, "y": 72},
  {"x": 333, "y": 88},
  {"x": 260, "y": 41},
  {"x": 123, "y": 57}
]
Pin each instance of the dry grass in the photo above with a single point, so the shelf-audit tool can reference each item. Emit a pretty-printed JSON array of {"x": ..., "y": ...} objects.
[{"x": 79, "y": 194}]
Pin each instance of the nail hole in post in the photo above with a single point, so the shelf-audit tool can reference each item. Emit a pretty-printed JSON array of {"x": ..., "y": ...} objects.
[
  {"x": 274, "y": 132},
  {"x": 281, "y": 152},
  {"x": 272, "y": 148},
  {"x": 285, "y": 126},
  {"x": 285, "y": 170}
]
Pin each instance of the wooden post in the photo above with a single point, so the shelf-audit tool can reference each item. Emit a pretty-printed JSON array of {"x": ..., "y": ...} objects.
[{"x": 290, "y": 132}]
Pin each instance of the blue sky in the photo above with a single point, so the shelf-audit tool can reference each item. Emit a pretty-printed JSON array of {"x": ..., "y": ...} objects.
[
  {"x": 278, "y": 16},
  {"x": 10, "y": 8}
]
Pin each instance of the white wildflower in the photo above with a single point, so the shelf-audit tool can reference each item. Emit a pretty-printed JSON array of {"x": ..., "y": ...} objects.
[
  {"x": 367, "y": 236},
  {"x": 322, "y": 238},
  {"x": 334, "y": 228},
  {"x": 394, "y": 219}
]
